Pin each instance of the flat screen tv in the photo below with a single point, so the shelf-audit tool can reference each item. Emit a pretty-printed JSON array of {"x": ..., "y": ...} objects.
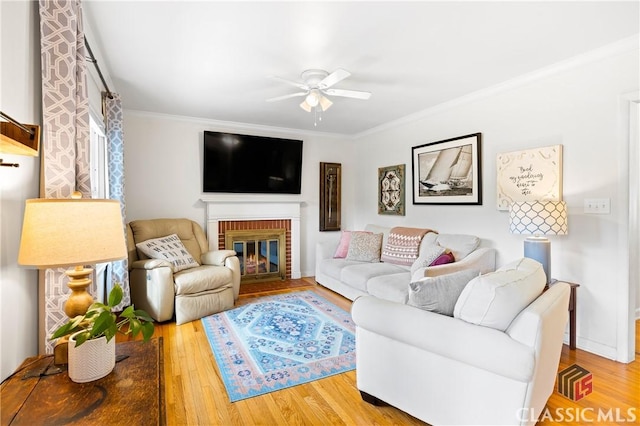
[{"x": 251, "y": 164}]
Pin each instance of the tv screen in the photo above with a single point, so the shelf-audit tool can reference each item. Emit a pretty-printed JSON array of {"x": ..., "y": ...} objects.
[{"x": 251, "y": 164}]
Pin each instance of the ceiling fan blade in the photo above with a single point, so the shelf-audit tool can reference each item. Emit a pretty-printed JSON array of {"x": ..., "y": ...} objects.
[
  {"x": 356, "y": 94},
  {"x": 333, "y": 78},
  {"x": 293, "y": 95},
  {"x": 293, "y": 83}
]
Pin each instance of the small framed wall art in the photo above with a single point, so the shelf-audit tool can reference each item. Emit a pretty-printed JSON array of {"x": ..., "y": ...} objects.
[
  {"x": 448, "y": 171},
  {"x": 529, "y": 175},
  {"x": 391, "y": 190}
]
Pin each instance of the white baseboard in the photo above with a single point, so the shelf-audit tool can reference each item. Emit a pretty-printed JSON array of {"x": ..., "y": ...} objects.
[{"x": 596, "y": 348}]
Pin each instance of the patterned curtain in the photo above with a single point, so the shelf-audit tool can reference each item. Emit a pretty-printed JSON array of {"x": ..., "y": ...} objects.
[
  {"x": 65, "y": 144},
  {"x": 115, "y": 148}
]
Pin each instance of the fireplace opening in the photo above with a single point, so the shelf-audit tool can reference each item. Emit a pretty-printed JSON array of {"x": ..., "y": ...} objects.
[{"x": 261, "y": 252}]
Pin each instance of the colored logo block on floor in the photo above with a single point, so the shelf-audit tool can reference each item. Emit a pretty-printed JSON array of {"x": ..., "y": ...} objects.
[{"x": 575, "y": 382}]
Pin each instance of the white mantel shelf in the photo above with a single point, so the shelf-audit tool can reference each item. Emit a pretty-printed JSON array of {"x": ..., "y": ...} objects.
[{"x": 222, "y": 208}]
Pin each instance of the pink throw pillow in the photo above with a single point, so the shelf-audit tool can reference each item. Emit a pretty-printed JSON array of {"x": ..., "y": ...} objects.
[
  {"x": 343, "y": 245},
  {"x": 444, "y": 258}
]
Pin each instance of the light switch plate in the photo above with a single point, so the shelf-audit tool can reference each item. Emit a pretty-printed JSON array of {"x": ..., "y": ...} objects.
[{"x": 597, "y": 205}]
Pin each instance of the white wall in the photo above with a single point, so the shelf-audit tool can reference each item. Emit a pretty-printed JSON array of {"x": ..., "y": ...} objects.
[
  {"x": 20, "y": 98},
  {"x": 577, "y": 107},
  {"x": 576, "y": 104},
  {"x": 163, "y": 167}
]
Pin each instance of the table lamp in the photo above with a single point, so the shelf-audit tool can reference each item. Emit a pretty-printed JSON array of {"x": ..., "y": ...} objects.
[
  {"x": 72, "y": 232},
  {"x": 539, "y": 218}
]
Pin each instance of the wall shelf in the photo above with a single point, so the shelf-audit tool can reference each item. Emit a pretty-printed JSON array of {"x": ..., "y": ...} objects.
[{"x": 19, "y": 139}]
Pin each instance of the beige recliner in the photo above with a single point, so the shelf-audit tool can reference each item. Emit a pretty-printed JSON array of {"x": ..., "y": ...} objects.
[{"x": 192, "y": 293}]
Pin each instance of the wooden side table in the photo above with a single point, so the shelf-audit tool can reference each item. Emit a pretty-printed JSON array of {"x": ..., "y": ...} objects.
[
  {"x": 572, "y": 311},
  {"x": 133, "y": 393}
]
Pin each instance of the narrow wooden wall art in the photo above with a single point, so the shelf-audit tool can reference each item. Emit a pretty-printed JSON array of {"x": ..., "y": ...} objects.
[{"x": 330, "y": 194}]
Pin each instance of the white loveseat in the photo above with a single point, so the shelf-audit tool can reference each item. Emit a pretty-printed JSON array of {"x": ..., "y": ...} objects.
[
  {"x": 493, "y": 363},
  {"x": 390, "y": 281}
]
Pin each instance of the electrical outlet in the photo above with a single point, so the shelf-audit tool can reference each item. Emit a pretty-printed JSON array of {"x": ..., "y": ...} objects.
[{"x": 597, "y": 205}]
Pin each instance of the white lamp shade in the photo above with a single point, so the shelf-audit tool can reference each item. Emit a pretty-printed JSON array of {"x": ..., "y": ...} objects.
[
  {"x": 538, "y": 218},
  {"x": 71, "y": 232}
]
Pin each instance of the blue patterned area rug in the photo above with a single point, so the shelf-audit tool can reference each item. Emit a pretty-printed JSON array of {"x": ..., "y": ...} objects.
[{"x": 280, "y": 341}]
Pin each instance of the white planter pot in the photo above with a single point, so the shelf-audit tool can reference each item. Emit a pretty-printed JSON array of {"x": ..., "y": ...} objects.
[{"x": 92, "y": 360}]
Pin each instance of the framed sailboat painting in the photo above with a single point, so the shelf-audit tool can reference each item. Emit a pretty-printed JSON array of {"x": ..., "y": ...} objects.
[{"x": 448, "y": 171}]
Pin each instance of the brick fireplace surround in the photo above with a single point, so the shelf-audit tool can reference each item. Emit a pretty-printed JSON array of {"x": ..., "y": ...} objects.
[{"x": 227, "y": 214}]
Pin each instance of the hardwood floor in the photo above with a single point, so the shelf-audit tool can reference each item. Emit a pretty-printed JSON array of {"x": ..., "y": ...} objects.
[{"x": 195, "y": 393}]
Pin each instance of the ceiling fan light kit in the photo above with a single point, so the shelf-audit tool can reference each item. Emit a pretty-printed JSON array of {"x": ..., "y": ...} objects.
[{"x": 316, "y": 84}]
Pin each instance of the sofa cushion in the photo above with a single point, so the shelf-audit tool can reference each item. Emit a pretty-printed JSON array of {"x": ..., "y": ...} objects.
[
  {"x": 202, "y": 278},
  {"x": 459, "y": 244},
  {"x": 168, "y": 248},
  {"x": 439, "y": 294},
  {"x": 427, "y": 247},
  {"x": 428, "y": 255},
  {"x": 495, "y": 299},
  {"x": 364, "y": 247},
  {"x": 392, "y": 287},
  {"x": 334, "y": 267},
  {"x": 358, "y": 275}
]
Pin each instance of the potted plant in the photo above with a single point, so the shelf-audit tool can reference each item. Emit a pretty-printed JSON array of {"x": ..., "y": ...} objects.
[{"x": 91, "y": 345}]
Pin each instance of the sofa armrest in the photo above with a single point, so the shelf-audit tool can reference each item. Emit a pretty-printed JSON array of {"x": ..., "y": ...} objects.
[
  {"x": 482, "y": 259},
  {"x": 325, "y": 250},
  {"x": 481, "y": 347},
  {"x": 216, "y": 257}
]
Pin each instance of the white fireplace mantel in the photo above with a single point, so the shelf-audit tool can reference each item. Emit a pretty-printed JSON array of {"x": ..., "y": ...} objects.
[{"x": 221, "y": 209}]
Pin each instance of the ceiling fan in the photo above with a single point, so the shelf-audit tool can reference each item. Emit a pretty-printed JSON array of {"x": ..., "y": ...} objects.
[{"x": 315, "y": 85}]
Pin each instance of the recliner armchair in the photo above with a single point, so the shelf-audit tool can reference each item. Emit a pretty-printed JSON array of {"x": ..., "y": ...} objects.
[{"x": 192, "y": 293}]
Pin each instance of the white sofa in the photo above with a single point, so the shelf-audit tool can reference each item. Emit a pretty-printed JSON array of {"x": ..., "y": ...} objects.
[
  {"x": 390, "y": 281},
  {"x": 494, "y": 362}
]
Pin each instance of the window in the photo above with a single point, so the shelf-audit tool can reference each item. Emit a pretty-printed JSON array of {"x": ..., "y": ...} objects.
[{"x": 98, "y": 160}]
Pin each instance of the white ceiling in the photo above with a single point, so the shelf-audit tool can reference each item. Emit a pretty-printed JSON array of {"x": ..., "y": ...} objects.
[{"x": 211, "y": 59}]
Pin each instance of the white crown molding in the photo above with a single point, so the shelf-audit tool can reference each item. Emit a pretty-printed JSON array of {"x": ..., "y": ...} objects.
[
  {"x": 234, "y": 126},
  {"x": 614, "y": 49}
]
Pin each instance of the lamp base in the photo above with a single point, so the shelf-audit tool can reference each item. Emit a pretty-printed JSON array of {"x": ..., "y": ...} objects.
[
  {"x": 539, "y": 249},
  {"x": 78, "y": 303},
  {"x": 61, "y": 351},
  {"x": 79, "y": 300}
]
